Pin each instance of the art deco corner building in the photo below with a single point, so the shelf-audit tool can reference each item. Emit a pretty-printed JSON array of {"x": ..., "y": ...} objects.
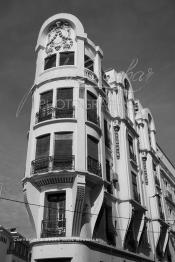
[{"x": 95, "y": 180}]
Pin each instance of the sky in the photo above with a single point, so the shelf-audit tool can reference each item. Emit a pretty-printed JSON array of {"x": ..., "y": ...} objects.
[{"x": 126, "y": 30}]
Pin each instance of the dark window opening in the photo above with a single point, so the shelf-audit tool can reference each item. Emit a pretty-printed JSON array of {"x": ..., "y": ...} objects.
[
  {"x": 66, "y": 58},
  {"x": 50, "y": 62},
  {"x": 63, "y": 158},
  {"x": 135, "y": 188},
  {"x": 108, "y": 170},
  {"x": 88, "y": 63},
  {"x": 54, "y": 222},
  {"x": 41, "y": 162},
  {"x": 131, "y": 148},
  {"x": 64, "y": 103},
  {"x": 92, "y": 108},
  {"x": 106, "y": 134},
  {"x": 45, "y": 109}
]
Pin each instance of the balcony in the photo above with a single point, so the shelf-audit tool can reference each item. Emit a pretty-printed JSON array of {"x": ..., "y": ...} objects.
[
  {"x": 54, "y": 113},
  {"x": 53, "y": 228},
  {"x": 59, "y": 162},
  {"x": 65, "y": 113},
  {"x": 41, "y": 164},
  {"x": 92, "y": 117},
  {"x": 94, "y": 166},
  {"x": 44, "y": 114},
  {"x": 90, "y": 75}
]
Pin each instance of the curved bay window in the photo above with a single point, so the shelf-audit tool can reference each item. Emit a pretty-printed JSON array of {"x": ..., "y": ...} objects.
[{"x": 54, "y": 222}]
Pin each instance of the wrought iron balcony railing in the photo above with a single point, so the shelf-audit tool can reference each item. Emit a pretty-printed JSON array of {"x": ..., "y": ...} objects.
[
  {"x": 53, "y": 228},
  {"x": 65, "y": 112},
  {"x": 92, "y": 116},
  {"x": 52, "y": 113},
  {"x": 64, "y": 162},
  {"x": 58, "y": 162},
  {"x": 41, "y": 164},
  {"x": 94, "y": 166},
  {"x": 44, "y": 114},
  {"x": 90, "y": 75}
]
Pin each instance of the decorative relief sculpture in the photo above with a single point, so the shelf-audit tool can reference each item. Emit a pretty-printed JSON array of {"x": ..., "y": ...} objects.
[{"x": 60, "y": 36}]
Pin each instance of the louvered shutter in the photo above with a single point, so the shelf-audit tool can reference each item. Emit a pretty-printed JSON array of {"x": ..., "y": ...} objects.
[
  {"x": 42, "y": 146},
  {"x": 63, "y": 144}
]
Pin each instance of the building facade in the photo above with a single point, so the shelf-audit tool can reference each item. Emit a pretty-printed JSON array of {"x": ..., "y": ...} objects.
[
  {"x": 13, "y": 246},
  {"x": 98, "y": 186}
]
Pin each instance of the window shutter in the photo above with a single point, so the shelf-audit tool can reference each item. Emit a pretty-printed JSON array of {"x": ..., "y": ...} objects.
[
  {"x": 64, "y": 98},
  {"x": 46, "y": 99},
  {"x": 93, "y": 148},
  {"x": 63, "y": 144},
  {"x": 42, "y": 146}
]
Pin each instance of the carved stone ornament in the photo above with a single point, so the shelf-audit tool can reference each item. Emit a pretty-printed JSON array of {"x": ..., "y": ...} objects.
[{"x": 60, "y": 36}]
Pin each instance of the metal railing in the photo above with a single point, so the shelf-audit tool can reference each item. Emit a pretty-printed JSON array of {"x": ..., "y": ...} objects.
[
  {"x": 90, "y": 75},
  {"x": 64, "y": 162},
  {"x": 65, "y": 112},
  {"x": 52, "y": 113},
  {"x": 93, "y": 166},
  {"x": 44, "y": 114},
  {"x": 53, "y": 228},
  {"x": 41, "y": 164},
  {"x": 57, "y": 162}
]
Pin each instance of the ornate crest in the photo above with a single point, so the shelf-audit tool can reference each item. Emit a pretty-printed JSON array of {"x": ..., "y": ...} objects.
[{"x": 59, "y": 37}]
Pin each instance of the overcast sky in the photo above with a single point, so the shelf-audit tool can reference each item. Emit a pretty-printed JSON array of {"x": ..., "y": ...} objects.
[{"x": 124, "y": 29}]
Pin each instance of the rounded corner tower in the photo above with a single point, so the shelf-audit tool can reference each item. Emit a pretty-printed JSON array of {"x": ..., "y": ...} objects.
[
  {"x": 64, "y": 175},
  {"x": 82, "y": 152}
]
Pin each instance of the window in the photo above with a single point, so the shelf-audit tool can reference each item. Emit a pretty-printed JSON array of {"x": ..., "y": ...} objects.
[
  {"x": 50, "y": 62},
  {"x": 131, "y": 148},
  {"x": 42, "y": 146},
  {"x": 66, "y": 58},
  {"x": 108, "y": 170},
  {"x": 92, "y": 108},
  {"x": 41, "y": 162},
  {"x": 54, "y": 223},
  {"x": 64, "y": 103},
  {"x": 93, "y": 164},
  {"x": 63, "y": 158},
  {"x": 88, "y": 63},
  {"x": 45, "y": 109},
  {"x": 134, "y": 186},
  {"x": 106, "y": 134},
  {"x": 160, "y": 207}
]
